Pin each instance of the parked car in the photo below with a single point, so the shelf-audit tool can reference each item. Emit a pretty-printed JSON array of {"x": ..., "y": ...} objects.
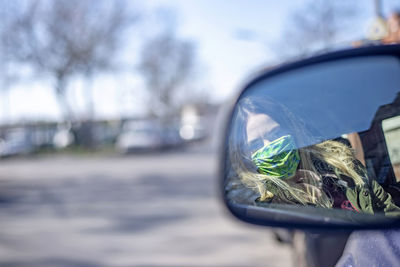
[
  {"x": 192, "y": 132},
  {"x": 147, "y": 136},
  {"x": 63, "y": 137},
  {"x": 15, "y": 142},
  {"x": 311, "y": 146}
]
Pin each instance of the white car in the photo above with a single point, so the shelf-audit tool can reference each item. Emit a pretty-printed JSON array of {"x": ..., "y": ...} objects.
[{"x": 146, "y": 136}]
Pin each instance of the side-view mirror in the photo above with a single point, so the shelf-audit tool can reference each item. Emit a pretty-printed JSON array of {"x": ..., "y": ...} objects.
[{"x": 316, "y": 143}]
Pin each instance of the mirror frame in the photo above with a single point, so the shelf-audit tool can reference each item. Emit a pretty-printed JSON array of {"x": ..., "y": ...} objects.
[{"x": 289, "y": 219}]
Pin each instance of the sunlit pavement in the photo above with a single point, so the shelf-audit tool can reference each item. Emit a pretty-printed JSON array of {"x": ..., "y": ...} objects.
[{"x": 152, "y": 209}]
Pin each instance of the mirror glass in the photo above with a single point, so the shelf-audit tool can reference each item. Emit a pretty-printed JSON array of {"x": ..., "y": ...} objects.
[{"x": 321, "y": 143}]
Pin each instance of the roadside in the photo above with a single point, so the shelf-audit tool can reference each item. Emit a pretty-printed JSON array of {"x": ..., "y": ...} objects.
[{"x": 151, "y": 209}]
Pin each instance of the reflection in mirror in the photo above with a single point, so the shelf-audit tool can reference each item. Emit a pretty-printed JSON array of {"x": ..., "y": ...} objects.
[{"x": 296, "y": 141}]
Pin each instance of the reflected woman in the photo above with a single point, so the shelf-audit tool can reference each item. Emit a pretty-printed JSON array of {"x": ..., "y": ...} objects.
[{"x": 275, "y": 154}]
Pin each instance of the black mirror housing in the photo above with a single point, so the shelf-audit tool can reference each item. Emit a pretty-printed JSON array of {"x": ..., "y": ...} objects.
[{"x": 346, "y": 99}]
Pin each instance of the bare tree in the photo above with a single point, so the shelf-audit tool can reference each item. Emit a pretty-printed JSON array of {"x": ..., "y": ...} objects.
[
  {"x": 167, "y": 64},
  {"x": 7, "y": 77},
  {"x": 316, "y": 26},
  {"x": 67, "y": 38}
]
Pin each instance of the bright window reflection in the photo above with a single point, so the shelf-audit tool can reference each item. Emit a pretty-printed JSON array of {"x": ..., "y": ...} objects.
[{"x": 391, "y": 130}]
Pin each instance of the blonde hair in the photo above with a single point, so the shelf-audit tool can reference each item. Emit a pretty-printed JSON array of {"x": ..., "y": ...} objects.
[{"x": 339, "y": 157}]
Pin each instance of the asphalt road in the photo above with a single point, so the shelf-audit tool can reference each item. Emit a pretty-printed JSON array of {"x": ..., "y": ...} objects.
[{"x": 108, "y": 210}]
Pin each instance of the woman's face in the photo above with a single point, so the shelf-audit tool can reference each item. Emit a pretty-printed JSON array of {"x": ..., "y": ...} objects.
[
  {"x": 261, "y": 130},
  {"x": 258, "y": 129},
  {"x": 394, "y": 23}
]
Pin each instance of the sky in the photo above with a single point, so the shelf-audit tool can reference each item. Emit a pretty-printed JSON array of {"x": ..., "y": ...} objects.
[{"x": 233, "y": 39}]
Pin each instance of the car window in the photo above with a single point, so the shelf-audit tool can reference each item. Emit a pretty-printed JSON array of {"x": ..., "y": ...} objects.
[
  {"x": 326, "y": 113},
  {"x": 391, "y": 130}
]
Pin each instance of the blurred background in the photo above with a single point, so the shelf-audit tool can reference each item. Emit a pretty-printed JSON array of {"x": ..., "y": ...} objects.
[{"x": 111, "y": 115}]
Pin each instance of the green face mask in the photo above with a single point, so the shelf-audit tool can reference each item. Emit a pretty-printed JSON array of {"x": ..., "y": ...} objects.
[{"x": 279, "y": 158}]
